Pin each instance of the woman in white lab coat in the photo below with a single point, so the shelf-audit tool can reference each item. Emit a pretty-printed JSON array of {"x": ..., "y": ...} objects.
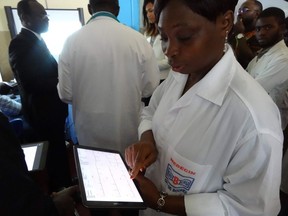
[
  {"x": 211, "y": 137},
  {"x": 153, "y": 37}
]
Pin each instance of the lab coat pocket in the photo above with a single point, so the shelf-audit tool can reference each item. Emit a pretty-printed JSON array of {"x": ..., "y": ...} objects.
[{"x": 184, "y": 176}]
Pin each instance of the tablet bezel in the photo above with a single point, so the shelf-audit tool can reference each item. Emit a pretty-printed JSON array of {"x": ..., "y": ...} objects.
[
  {"x": 102, "y": 204},
  {"x": 40, "y": 155}
]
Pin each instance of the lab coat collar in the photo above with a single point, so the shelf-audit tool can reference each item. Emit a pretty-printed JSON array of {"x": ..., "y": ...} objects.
[
  {"x": 36, "y": 34},
  {"x": 275, "y": 48},
  {"x": 214, "y": 85}
]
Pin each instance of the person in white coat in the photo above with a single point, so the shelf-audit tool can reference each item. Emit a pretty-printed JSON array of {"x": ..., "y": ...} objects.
[
  {"x": 211, "y": 138},
  {"x": 270, "y": 66},
  {"x": 153, "y": 37},
  {"x": 104, "y": 70}
]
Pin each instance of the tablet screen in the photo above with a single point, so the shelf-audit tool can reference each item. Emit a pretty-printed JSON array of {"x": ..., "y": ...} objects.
[
  {"x": 35, "y": 155},
  {"x": 104, "y": 179},
  {"x": 30, "y": 154}
]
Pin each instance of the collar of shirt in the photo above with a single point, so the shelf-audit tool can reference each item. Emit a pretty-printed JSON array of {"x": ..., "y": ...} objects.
[
  {"x": 213, "y": 86},
  {"x": 102, "y": 13},
  {"x": 272, "y": 49},
  {"x": 36, "y": 34},
  {"x": 261, "y": 52}
]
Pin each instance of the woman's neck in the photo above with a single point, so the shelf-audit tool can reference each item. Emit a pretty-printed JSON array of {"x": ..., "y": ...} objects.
[{"x": 191, "y": 81}]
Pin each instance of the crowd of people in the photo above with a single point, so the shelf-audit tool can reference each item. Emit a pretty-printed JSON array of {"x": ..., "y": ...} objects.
[{"x": 212, "y": 137}]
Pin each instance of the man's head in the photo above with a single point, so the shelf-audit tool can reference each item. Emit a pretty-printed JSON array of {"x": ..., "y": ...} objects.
[
  {"x": 270, "y": 27},
  {"x": 248, "y": 13},
  {"x": 111, "y": 6},
  {"x": 33, "y": 16}
]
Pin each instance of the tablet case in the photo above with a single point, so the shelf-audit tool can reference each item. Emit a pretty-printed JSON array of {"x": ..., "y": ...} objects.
[{"x": 104, "y": 180}]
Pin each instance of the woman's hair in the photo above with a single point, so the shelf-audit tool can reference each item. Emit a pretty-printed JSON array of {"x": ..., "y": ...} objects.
[
  {"x": 210, "y": 9},
  {"x": 150, "y": 28}
]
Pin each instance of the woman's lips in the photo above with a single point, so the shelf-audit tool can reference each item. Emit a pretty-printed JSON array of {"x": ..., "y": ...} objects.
[{"x": 177, "y": 68}]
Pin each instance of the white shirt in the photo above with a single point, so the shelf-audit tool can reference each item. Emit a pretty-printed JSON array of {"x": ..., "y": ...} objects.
[
  {"x": 104, "y": 70},
  {"x": 220, "y": 144},
  {"x": 271, "y": 71},
  {"x": 162, "y": 59}
]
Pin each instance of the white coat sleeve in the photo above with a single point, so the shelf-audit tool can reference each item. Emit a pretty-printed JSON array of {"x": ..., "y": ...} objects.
[
  {"x": 275, "y": 77},
  {"x": 150, "y": 74},
  {"x": 250, "y": 182},
  {"x": 148, "y": 111},
  {"x": 163, "y": 63},
  {"x": 64, "y": 74}
]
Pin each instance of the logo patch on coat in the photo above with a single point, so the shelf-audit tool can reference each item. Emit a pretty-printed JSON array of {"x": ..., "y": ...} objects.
[{"x": 177, "y": 182}]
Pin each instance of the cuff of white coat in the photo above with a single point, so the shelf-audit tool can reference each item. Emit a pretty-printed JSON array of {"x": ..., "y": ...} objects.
[
  {"x": 203, "y": 204},
  {"x": 145, "y": 125},
  {"x": 64, "y": 97}
]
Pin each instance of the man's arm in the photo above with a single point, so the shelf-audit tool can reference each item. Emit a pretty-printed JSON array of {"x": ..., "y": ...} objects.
[
  {"x": 151, "y": 74},
  {"x": 9, "y": 106},
  {"x": 33, "y": 65},
  {"x": 65, "y": 83}
]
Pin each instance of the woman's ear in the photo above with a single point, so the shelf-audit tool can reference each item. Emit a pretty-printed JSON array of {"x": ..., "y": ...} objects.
[
  {"x": 25, "y": 20},
  {"x": 228, "y": 21}
]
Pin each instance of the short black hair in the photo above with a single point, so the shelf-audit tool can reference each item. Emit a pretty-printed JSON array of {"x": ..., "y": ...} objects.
[
  {"x": 23, "y": 7},
  {"x": 273, "y": 12},
  {"x": 259, "y": 5},
  {"x": 104, "y": 4},
  {"x": 210, "y": 9}
]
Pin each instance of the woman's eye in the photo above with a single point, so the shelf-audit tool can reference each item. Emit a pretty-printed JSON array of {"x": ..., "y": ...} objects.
[
  {"x": 163, "y": 39},
  {"x": 184, "y": 38}
]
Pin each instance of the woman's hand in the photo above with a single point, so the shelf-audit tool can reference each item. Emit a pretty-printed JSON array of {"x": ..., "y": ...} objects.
[
  {"x": 149, "y": 192},
  {"x": 142, "y": 154}
]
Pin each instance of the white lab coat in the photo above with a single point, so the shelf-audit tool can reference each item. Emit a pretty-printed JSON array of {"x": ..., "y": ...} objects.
[
  {"x": 271, "y": 71},
  {"x": 162, "y": 59},
  {"x": 104, "y": 70},
  {"x": 220, "y": 144}
]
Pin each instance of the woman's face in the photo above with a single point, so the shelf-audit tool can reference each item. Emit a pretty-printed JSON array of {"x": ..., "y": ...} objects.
[
  {"x": 150, "y": 12},
  {"x": 192, "y": 43}
]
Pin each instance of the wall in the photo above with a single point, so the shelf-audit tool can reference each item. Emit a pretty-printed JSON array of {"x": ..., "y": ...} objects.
[
  {"x": 128, "y": 15},
  {"x": 5, "y": 38},
  {"x": 5, "y": 34}
]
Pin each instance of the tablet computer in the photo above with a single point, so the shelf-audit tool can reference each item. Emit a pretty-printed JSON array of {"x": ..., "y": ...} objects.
[
  {"x": 35, "y": 155},
  {"x": 104, "y": 180}
]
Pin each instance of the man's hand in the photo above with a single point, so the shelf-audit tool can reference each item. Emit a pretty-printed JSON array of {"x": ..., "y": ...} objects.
[
  {"x": 239, "y": 26},
  {"x": 64, "y": 202}
]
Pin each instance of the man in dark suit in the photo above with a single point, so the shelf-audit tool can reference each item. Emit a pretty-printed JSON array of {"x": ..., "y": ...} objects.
[{"x": 36, "y": 72}]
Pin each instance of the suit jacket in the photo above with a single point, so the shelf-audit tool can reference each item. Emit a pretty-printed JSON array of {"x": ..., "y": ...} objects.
[
  {"x": 19, "y": 193},
  {"x": 36, "y": 72}
]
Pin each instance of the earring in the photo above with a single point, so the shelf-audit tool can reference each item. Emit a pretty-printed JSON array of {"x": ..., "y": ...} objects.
[{"x": 226, "y": 43}]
